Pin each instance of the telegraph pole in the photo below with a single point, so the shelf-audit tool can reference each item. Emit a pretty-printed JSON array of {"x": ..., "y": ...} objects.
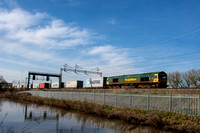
[{"x": 60, "y": 78}]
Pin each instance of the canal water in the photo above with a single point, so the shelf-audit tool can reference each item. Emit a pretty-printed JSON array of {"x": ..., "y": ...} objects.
[{"x": 31, "y": 118}]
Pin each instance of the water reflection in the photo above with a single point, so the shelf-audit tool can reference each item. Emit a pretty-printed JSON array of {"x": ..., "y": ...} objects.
[{"x": 23, "y": 117}]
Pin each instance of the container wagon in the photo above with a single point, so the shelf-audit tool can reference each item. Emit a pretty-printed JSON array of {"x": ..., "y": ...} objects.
[
  {"x": 56, "y": 85},
  {"x": 74, "y": 84},
  {"x": 99, "y": 82},
  {"x": 35, "y": 85},
  {"x": 44, "y": 85}
]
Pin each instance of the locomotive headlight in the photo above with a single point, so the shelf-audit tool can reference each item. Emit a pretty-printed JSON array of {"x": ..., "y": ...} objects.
[{"x": 107, "y": 83}]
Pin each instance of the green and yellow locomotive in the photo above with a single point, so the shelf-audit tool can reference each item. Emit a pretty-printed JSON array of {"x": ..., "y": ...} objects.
[{"x": 153, "y": 79}]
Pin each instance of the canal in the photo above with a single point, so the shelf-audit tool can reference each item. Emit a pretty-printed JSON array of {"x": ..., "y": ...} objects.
[{"x": 31, "y": 118}]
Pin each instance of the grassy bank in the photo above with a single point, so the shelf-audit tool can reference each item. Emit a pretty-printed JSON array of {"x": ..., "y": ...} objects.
[{"x": 157, "y": 119}]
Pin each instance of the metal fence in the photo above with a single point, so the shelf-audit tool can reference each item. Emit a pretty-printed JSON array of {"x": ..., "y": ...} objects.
[{"x": 185, "y": 104}]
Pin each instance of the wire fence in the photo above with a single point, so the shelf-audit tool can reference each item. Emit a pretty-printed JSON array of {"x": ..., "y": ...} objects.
[{"x": 184, "y": 104}]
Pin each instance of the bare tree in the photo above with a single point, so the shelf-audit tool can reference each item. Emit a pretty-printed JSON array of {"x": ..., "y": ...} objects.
[
  {"x": 2, "y": 80},
  {"x": 186, "y": 79},
  {"x": 190, "y": 78},
  {"x": 169, "y": 78},
  {"x": 193, "y": 77},
  {"x": 198, "y": 77},
  {"x": 175, "y": 80}
]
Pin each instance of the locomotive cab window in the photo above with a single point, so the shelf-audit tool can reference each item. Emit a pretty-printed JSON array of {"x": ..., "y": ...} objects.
[
  {"x": 144, "y": 79},
  {"x": 115, "y": 80},
  {"x": 164, "y": 77}
]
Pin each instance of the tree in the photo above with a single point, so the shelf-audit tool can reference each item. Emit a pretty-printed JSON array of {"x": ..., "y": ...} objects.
[
  {"x": 2, "y": 80},
  {"x": 186, "y": 79},
  {"x": 193, "y": 77},
  {"x": 175, "y": 80},
  {"x": 198, "y": 77},
  {"x": 190, "y": 78}
]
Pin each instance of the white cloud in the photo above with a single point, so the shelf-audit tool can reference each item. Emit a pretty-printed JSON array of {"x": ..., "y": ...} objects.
[
  {"x": 111, "y": 54},
  {"x": 18, "y": 19},
  {"x": 31, "y": 36},
  {"x": 100, "y": 49},
  {"x": 29, "y": 39},
  {"x": 37, "y": 38},
  {"x": 25, "y": 27}
]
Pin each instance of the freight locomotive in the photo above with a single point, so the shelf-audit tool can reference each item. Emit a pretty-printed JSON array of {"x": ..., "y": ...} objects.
[{"x": 153, "y": 79}]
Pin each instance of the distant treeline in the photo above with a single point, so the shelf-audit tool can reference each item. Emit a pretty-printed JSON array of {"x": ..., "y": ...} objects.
[
  {"x": 2, "y": 81},
  {"x": 188, "y": 79}
]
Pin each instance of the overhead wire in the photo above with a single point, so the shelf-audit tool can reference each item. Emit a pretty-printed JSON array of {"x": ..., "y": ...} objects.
[
  {"x": 161, "y": 42},
  {"x": 170, "y": 39}
]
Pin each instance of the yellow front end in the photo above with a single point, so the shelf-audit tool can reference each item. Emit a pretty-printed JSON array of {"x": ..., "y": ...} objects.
[
  {"x": 155, "y": 78},
  {"x": 107, "y": 82}
]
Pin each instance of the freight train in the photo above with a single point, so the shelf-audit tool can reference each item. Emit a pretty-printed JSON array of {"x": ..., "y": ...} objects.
[
  {"x": 153, "y": 79},
  {"x": 144, "y": 80}
]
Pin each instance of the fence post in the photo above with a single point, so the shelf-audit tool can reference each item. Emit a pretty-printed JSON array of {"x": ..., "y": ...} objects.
[
  {"x": 148, "y": 101},
  {"x": 170, "y": 103},
  {"x": 199, "y": 105},
  {"x": 116, "y": 99},
  {"x": 94, "y": 96},
  {"x": 193, "y": 105},
  {"x": 131, "y": 100},
  {"x": 104, "y": 98}
]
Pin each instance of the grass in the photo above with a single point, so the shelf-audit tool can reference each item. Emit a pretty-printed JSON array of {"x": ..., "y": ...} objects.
[{"x": 157, "y": 119}]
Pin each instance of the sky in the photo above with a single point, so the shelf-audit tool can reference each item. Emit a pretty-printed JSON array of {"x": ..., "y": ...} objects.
[{"x": 117, "y": 36}]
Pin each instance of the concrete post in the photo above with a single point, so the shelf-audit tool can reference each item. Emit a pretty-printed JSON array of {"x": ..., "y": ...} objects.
[
  {"x": 94, "y": 96},
  {"x": 130, "y": 100},
  {"x": 170, "y": 103},
  {"x": 148, "y": 101},
  {"x": 199, "y": 105},
  {"x": 104, "y": 98},
  {"x": 116, "y": 99}
]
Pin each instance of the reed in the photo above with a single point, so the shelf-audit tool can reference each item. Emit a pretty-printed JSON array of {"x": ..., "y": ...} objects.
[{"x": 157, "y": 119}]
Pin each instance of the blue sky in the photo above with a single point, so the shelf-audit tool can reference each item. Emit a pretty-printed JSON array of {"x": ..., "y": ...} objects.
[{"x": 118, "y": 36}]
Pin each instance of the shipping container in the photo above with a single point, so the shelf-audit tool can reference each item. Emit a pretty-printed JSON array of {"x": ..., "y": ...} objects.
[
  {"x": 44, "y": 85},
  {"x": 56, "y": 85},
  {"x": 74, "y": 84},
  {"x": 99, "y": 82},
  {"x": 35, "y": 85},
  {"x": 31, "y": 86}
]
